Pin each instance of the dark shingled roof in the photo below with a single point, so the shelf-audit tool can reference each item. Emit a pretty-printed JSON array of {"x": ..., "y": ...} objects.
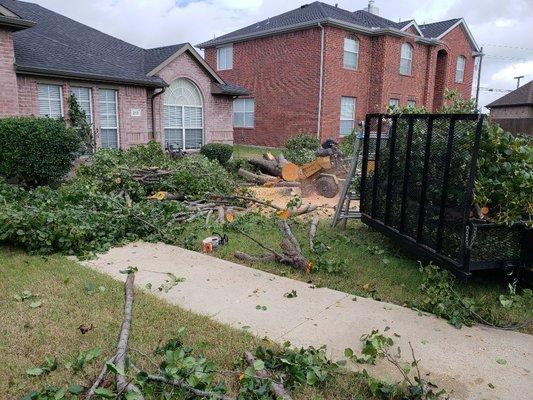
[
  {"x": 59, "y": 46},
  {"x": 316, "y": 12},
  {"x": 523, "y": 96},
  {"x": 435, "y": 29}
]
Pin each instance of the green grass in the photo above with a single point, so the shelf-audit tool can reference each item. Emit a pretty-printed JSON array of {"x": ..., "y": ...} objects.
[
  {"x": 243, "y": 151},
  {"x": 373, "y": 266},
  {"x": 27, "y": 335}
]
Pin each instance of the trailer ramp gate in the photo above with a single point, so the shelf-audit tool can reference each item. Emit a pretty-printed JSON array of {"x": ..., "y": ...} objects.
[{"x": 417, "y": 186}]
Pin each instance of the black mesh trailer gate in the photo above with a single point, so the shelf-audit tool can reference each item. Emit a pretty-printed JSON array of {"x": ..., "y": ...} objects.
[{"x": 417, "y": 186}]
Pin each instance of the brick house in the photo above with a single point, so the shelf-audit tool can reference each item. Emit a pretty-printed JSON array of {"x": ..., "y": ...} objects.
[
  {"x": 514, "y": 111},
  {"x": 320, "y": 68},
  {"x": 130, "y": 94}
]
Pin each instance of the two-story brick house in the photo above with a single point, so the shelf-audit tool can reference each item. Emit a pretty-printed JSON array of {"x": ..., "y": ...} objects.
[
  {"x": 130, "y": 94},
  {"x": 320, "y": 69}
]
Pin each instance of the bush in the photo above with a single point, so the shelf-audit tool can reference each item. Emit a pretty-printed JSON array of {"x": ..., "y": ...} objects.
[
  {"x": 301, "y": 148},
  {"x": 36, "y": 151},
  {"x": 217, "y": 151},
  {"x": 347, "y": 144},
  {"x": 112, "y": 171}
]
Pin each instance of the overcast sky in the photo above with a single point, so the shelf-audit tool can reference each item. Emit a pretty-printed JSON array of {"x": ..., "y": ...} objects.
[{"x": 503, "y": 27}]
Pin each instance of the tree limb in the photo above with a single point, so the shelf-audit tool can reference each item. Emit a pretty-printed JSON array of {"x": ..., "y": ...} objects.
[{"x": 186, "y": 386}]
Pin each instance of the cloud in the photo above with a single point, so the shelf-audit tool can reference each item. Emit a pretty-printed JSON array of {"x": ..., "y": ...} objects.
[{"x": 508, "y": 73}]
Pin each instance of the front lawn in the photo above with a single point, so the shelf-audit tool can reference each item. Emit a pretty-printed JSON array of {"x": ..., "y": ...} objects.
[
  {"x": 244, "y": 151},
  {"x": 72, "y": 296}
]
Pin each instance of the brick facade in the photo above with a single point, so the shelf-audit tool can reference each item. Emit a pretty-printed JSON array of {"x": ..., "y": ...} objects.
[
  {"x": 19, "y": 96},
  {"x": 8, "y": 79},
  {"x": 282, "y": 73}
]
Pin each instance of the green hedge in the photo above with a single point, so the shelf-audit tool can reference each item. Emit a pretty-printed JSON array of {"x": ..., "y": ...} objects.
[
  {"x": 217, "y": 151},
  {"x": 36, "y": 151}
]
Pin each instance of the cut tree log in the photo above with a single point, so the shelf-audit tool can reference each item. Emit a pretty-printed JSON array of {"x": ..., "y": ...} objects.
[
  {"x": 290, "y": 172},
  {"x": 255, "y": 178},
  {"x": 268, "y": 166},
  {"x": 281, "y": 160},
  {"x": 312, "y": 233},
  {"x": 327, "y": 185}
]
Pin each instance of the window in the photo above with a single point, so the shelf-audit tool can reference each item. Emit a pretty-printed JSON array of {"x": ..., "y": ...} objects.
[
  {"x": 411, "y": 103},
  {"x": 406, "y": 59},
  {"x": 50, "y": 100},
  {"x": 351, "y": 53},
  {"x": 393, "y": 103},
  {"x": 347, "y": 115},
  {"x": 460, "y": 69},
  {"x": 108, "y": 118},
  {"x": 225, "y": 57},
  {"x": 84, "y": 99},
  {"x": 183, "y": 115},
  {"x": 243, "y": 113}
]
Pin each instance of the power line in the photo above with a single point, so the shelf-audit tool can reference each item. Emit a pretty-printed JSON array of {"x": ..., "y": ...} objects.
[
  {"x": 509, "y": 47},
  {"x": 487, "y": 89},
  {"x": 507, "y": 58}
]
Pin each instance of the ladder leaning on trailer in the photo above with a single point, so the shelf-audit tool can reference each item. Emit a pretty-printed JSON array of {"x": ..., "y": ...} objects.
[{"x": 350, "y": 192}]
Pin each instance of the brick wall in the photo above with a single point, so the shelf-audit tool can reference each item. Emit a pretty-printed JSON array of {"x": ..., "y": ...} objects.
[
  {"x": 457, "y": 44},
  {"x": 339, "y": 81},
  {"x": 282, "y": 73},
  {"x": 218, "y": 110},
  {"x": 218, "y": 117},
  {"x": 8, "y": 79}
]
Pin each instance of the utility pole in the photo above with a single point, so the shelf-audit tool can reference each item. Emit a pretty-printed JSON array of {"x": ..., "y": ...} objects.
[
  {"x": 479, "y": 75},
  {"x": 518, "y": 80}
]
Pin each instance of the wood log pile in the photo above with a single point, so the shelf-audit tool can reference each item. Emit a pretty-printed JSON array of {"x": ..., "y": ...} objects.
[{"x": 278, "y": 172}]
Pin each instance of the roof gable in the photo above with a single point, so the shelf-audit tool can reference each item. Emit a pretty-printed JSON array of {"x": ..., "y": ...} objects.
[{"x": 519, "y": 97}]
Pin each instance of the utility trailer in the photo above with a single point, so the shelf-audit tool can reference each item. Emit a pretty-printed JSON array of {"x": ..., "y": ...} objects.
[{"x": 418, "y": 189}]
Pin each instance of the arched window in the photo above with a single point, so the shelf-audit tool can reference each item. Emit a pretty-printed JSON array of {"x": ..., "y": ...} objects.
[
  {"x": 183, "y": 115},
  {"x": 351, "y": 52},
  {"x": 406, "y": 59},
  {"x": 460, "y": 69}
]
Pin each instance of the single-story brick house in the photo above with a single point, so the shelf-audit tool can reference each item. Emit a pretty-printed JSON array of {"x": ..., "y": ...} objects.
[
  {"x": 321, "y": 68},
  {"x": 130, "y": 94},
  {"x": 514, "y": 111}
]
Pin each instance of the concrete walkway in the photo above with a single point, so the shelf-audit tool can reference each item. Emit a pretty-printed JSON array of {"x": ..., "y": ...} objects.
[{"x": 460, "y": 360}]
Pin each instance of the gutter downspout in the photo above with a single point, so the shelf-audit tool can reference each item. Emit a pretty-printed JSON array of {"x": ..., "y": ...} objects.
[
  {"x": 152, "y": 102},
  {"x": 321, "y": 85}
]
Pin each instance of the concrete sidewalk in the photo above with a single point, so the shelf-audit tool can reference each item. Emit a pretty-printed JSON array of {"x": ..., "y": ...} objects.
[{"x": 460, "y": 360}]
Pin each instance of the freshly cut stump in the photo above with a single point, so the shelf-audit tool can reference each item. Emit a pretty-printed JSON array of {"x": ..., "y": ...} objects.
[{"x": 327, "y": 186}]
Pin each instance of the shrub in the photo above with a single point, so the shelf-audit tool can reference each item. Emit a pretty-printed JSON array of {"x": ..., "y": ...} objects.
[
  {"x": 301, "y": 148},
  {"x": 195, "y": 175},
  {"x": 347, "y": 144},
  {"x": 36, "y": 151},
  {"x": 217, "y": 151}
]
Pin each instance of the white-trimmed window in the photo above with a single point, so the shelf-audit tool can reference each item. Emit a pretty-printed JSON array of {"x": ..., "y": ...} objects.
[
  {"x": 394, "y": 103},
  {"x": 347, "y": 115},
  {"x": 225, "y": 57},
  {"x": 460, "y": 69},
  {"x": 351, "y": 53},
  {"x": 243, "y": 113},
  {"x": 411, "y": 103},
  {"x": 183, "y": 115},
  {"x": 108, "y": 102},
  {"x": 50, "y": 98},
  {"x": 84, "y": 99},
  {"x": 406, "y": 59}
]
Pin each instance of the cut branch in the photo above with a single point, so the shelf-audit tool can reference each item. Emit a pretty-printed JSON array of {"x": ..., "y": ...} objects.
[
  {"x": 312, "y": 232},
  {"x": 276, "y": 388},
  {"x": 186, "y": 386}
]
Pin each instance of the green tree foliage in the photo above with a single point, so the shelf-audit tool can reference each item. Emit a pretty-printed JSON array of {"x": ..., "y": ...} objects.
[
  {"x": 220, "y": 152},
  {"x": 301, "y": 148},
  {"x": 78, "y": 120},
  {"x": 36, "y": 151}
]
